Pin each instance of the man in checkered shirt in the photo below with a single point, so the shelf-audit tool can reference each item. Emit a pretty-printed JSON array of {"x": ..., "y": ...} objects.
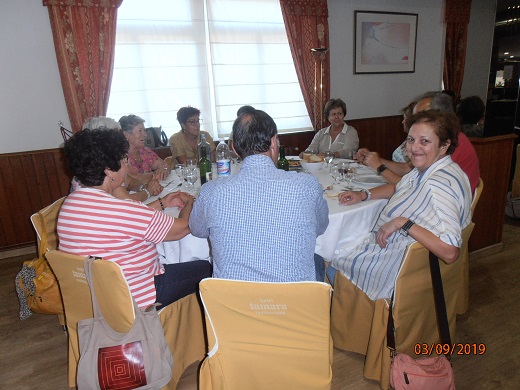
[{"x": 262, "y": 221}]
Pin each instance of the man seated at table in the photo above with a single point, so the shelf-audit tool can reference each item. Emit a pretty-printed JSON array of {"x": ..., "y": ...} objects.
[
  {"x": 262, "y": 221},
  {"x": 465, "y": 155}
]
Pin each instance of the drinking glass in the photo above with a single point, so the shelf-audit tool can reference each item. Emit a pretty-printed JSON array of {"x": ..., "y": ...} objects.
[
  {"x": 343, "y": 167},
  {"x": 351, "y": 174},
  {"x": 180, "y": 170},
  {"x": 328, "y": 156},
  {"x": 335, "y": 173},
  {"x": 191, "y": 162},
  {"x": 191, "y": 176}
]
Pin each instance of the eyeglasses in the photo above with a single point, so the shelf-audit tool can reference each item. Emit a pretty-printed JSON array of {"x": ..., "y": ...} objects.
[{"x": 194, "y": 121}]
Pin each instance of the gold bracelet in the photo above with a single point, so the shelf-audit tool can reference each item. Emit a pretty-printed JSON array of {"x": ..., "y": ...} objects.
[{"x": 161, "y": 203}]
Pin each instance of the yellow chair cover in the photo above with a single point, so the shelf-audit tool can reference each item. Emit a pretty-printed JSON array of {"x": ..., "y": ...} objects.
[
  {"x": 182, "y": 320},
  {"x": 463, "y": 299},
  {"x": 266, "y": 335},
  {"x": 49, "y": 215},
  {"x": 45, "y": 224},
  {"x": 359, "y": 324}
]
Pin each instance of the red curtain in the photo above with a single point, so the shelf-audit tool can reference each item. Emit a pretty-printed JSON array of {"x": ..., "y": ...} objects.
[
  {"x": 457, "y": 13},
  {"x": 307, "y": 28},
  {"x": 84, "y": 34}
]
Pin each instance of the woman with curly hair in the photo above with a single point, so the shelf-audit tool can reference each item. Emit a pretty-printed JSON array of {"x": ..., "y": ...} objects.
[{"x": 92, "y": 222}]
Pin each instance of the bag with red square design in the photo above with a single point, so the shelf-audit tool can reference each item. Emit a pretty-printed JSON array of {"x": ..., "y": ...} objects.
[{"x": 139, "y": 359}]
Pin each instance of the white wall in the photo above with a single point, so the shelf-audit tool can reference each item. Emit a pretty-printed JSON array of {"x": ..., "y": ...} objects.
[
  {"x": 32, "y": 102},
  {"x": 478, "y": 52},
  {"x": 373, "y": 95},
  {"x": 31, "y": 97}
]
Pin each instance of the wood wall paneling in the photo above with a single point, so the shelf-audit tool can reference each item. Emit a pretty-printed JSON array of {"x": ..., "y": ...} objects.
[
  {"x": 30, "y": 181},
  {"x": 495, "y": 154}
]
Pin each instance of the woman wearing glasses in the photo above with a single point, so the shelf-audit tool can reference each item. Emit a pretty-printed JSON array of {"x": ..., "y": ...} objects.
[
  {"x": 184, "y": 144},
  {"x": 141, "y": 159}
]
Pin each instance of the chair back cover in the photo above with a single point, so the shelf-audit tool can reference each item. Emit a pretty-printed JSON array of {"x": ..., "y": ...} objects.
[
  {"x": 411, "y": 309},
  {"x": 476, "y": 196},
  {"x": 49, "y": 215},
  {"x": 360, "y": 324},
  {"x": 182, "y": 320},
  {"x": 266, "y": 335}
]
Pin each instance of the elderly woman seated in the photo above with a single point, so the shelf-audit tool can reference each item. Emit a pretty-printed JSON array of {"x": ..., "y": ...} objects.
[
  {"x": 142, "y": 160},
  {"x": 431, "y": 205},
  {"x": 92, "y": 222}
]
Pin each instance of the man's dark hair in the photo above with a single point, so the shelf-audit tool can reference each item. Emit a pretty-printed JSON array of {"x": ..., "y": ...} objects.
[
  {"x": 252, "y": 133},
  {"x": 470, "y": 110},
  {"x": 244, "y": 109}
]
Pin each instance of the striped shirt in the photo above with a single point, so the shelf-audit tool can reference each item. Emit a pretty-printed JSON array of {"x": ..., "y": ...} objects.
[
  {"x": 94, "y": 223},
  {"x": 438, "y": 200}
]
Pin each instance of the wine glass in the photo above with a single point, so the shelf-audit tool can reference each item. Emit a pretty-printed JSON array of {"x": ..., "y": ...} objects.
[
  {"x": 343, "y": 167},
  {"x": 191, "y": 163},
  {"x": 179, "y": 170},
  {"x": 351, "y": 174},
  {"x": 328, "y": 156},
  {"x": 335, "y": 173},
  {"x": 191, "y": 176}
]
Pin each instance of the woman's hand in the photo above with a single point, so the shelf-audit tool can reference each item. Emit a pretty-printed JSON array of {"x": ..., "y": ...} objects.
[
  {"x": 388, "y": 229},
  {"x": 154, "y": 187},
  {"x": 178, "y": 199},
  {"x": 160, "y": 174},
  {"x": 350, "y": 197}
]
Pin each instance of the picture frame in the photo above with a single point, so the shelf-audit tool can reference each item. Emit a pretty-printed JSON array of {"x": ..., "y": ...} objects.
[{"x": 384, "y": 42}]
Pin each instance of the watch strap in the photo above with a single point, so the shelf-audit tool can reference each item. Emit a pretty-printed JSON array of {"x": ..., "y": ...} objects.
[
  {"x": 381, "y": 169},
  {"x": 406, "y": 227}
]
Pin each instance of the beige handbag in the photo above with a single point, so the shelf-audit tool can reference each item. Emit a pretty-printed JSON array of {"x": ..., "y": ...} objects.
[{"x": 139, "y": 359}]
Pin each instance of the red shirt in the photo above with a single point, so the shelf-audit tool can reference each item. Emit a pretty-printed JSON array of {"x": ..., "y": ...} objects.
[{"x": 466, "y": 157}]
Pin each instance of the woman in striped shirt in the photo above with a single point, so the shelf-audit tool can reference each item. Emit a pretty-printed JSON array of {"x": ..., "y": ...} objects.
[
  {"x": 92, "y": 222},
  {"x": 431, "y": 205}
]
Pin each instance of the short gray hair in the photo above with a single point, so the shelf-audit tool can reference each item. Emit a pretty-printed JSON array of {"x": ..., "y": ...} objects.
[
  {"x": 101, "y": 122},
  {"x": 128, "y": 122},
  {"x": 438, "y": 101}
]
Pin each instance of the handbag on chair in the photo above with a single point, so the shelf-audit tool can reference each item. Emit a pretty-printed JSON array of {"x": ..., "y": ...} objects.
[
  {"x": 431, "y": 373},
  {"x": 139, "y": 359},
  {"x": 36, "y": 285}
]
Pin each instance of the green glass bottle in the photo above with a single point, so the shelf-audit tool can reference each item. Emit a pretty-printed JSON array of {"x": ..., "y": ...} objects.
[
  {"x": 204, "y": 165},
  {"x": 282, "y": 161}
]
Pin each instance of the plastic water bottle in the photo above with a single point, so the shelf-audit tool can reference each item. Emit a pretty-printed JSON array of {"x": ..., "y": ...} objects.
[
  {"x": 204, "y": 142},
  {"x": 223, "y": 159}
]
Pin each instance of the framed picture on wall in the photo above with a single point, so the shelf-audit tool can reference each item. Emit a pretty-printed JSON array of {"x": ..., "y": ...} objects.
[{"x": 384, "y": 42}]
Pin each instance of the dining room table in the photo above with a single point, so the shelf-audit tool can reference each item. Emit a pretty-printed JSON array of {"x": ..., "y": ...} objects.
[{"x": 346, "y": 223}]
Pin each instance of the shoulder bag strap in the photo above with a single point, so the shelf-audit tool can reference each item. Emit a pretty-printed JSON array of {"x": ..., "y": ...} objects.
[
  {"x": 440, "y": 302},
  {"x": 440, "y": 308}
]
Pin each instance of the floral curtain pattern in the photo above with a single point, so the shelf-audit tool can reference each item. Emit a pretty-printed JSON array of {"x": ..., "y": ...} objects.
[
  {"x": 307, "y": 28},
  {"x": 457, "y": 13},
  {"x": 84, "y": 39}
]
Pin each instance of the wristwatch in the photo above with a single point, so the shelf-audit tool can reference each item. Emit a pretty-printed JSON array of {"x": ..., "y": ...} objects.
[
  {"x": 405, "y": 229},
  {"x": 368, "y": 195},
  {"x": 381, "y": 168}
]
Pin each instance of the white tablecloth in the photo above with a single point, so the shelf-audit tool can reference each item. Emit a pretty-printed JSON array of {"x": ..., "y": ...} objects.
[{"x": 346, "y": 223}]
